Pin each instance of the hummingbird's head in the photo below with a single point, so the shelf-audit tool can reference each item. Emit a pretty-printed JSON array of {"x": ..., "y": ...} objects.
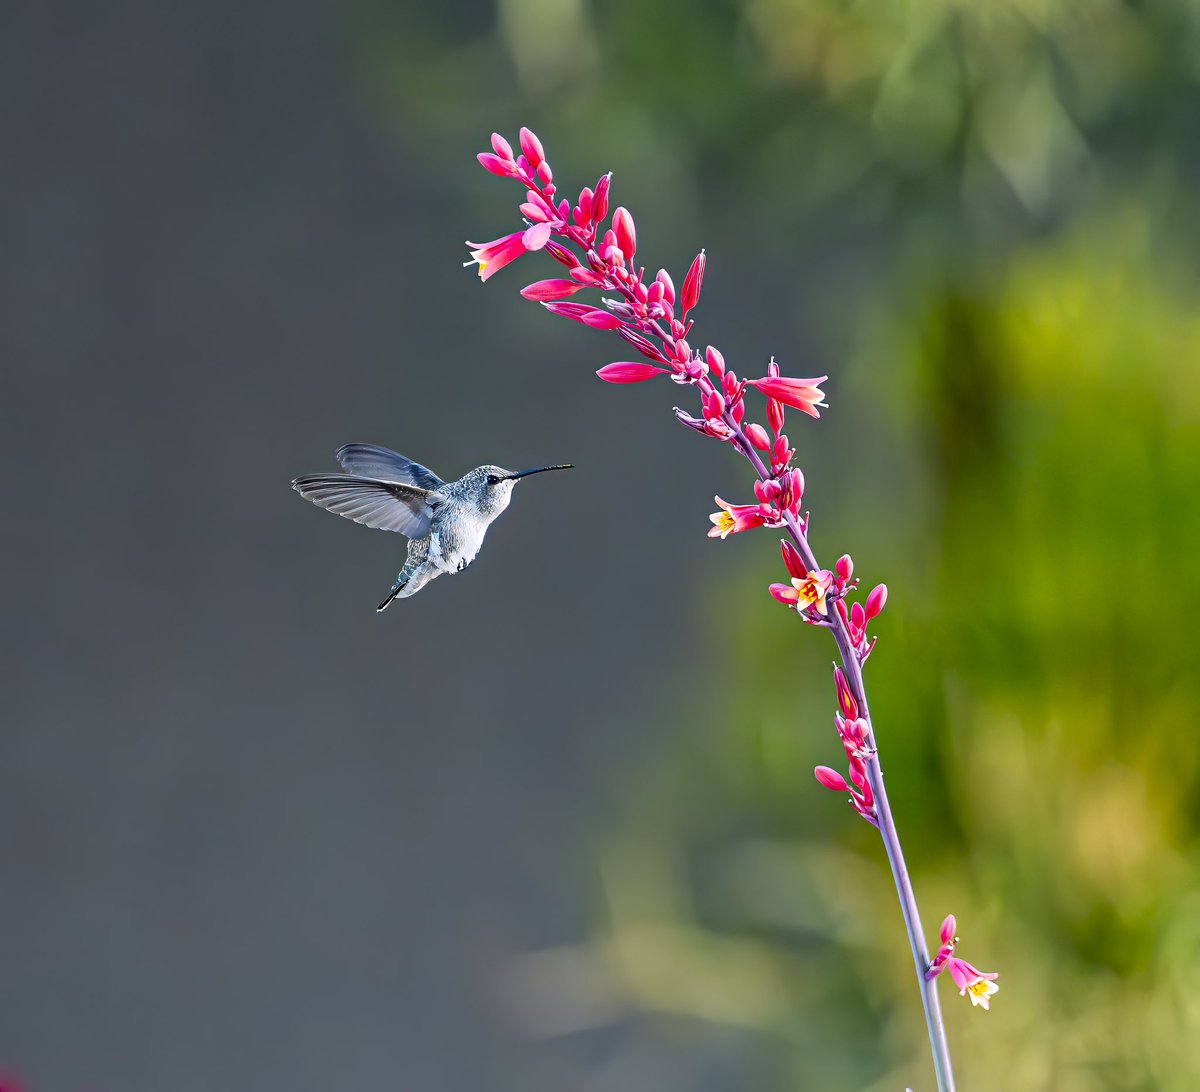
[{"x": 495, "y": 484}]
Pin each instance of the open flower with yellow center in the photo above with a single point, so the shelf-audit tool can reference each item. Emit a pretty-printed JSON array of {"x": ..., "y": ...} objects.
[
  {"x": 734, "y": 518},
  {"x": 807, "y": 592},
  {"x": 978, "y": 985}
]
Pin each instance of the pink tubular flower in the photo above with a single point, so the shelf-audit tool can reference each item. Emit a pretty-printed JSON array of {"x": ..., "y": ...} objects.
[
  {"x": 734, "y": 518},
  {"x": 802, "y": 394},
  {"x": 980, "y": 985},
  {"x": 494, "y": 256}
]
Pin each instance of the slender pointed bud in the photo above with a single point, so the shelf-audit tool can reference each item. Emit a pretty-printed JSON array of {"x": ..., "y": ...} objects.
[
  {"x": 654, "y": 293},
  {"x": 601, "y": 320},
  {"x": 583, "y": 214},
  {"x": 845, "y": 564},
  {"x": 532, "y": 147},
  {"x": 495, "y": 164},
  {"x": 694, "y": 423},
  {"x": 692, "y": 283},
  {"x": 876, "y": 600},
  {"x": 793, "y": 560},
  {"x": 775, "y": 415},
  {"x": 846, "y": 700},
  {"x": 501, "y": 147},
  {"x": 629, "y": 371},
  {"x": 757, "y": 435},
  {"x": 715, "y": 361},
  {"x": 561, "y": 254},
  {"x": 949, "y": 928},
  {"x": 626, "y": 233},
  {"x": 534, "y": 212},
  {"x": 550, "y": 290},
  {"x": 668, "y": 285},
  {"x": 831, "y": 779},
  {"x": 858, "y": 621},
  {"x": 642, "y": 344},
  {"x": 858, "y": 773},
  {"x": 600, "y": 200},
  {"x": 544, "y": 174}
]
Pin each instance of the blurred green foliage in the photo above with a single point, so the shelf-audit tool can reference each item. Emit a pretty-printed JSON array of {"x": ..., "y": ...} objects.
[{"x": 985, "y": 214}]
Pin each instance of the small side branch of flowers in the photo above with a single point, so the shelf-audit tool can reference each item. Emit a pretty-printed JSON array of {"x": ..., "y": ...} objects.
[{"x": 654, "y": 320}]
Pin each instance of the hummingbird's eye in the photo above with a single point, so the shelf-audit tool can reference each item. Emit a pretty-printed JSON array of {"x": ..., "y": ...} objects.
[{"x": 493, "y": 480}]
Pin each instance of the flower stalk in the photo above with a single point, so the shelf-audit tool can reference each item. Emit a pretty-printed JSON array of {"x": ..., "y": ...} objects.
[{"x": 647, "y": 315}]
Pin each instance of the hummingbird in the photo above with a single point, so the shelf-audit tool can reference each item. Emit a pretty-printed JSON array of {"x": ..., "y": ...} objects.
[{"x": 444, "y": 522}]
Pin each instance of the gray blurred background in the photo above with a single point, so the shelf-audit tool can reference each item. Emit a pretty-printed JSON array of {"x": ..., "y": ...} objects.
[
  {"x": 255, "y": 835},
  {"x": 551, "y": 824}
]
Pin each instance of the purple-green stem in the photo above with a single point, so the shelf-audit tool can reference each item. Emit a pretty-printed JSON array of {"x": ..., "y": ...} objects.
[{"x": 883, "y": 809}]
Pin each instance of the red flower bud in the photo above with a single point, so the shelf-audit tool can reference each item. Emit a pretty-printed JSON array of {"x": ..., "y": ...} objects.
[
  {"x": 845, "y": 565},
  {"x": 600, "y": 201},
  {"x": 845, "y": 699},
  {"x": 561, "y": 254},
  {"x": 550, "y": 290},
  {"x": 501, "y": 147},
  {"x": 545, "y": 175},
  {"x": 629, "y": 371},
  {"x": 876, "y": 600},
  {"x": 626, "y": 233},
  {"x": 757, "y": 435},
  {"x": 831, "y": 779},
  {"x": 668, "y": 286},
  {"x": 692, "y": 283},
  {"x": 601, "y": 320},
  {"x": 532, "y": 147},
  {"x": 495, "y": 164},
  {"x": 642, "y": 344},
  {"x": 775, "y": 415},
  {"x": 715, "y": 361},
  {"x": 793, "y": 560}
]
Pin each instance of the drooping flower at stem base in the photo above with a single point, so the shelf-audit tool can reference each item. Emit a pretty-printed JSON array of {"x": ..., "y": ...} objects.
[{"x": 978, "y": 985}]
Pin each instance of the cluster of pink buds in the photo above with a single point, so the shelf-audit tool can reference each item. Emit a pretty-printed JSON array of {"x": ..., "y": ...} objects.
[
  {"x": 855, "y": 734},
  {"x": 978, "y": 985},
  {"x": 648, "y": 314}
]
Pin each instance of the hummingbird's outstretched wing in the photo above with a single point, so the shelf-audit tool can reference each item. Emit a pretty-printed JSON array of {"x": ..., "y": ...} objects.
[
  {"x": 371, "y": 461},
  {"x": 386, "y": 506}
]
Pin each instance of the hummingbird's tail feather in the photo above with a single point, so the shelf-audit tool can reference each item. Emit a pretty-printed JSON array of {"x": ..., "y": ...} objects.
[
  {"x": 397, "y": 588},
  {"x": 412, "y": 578}
]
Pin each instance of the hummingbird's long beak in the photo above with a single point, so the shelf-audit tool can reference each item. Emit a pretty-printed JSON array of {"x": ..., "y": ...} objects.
[{"x": 541, "y": 470}]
